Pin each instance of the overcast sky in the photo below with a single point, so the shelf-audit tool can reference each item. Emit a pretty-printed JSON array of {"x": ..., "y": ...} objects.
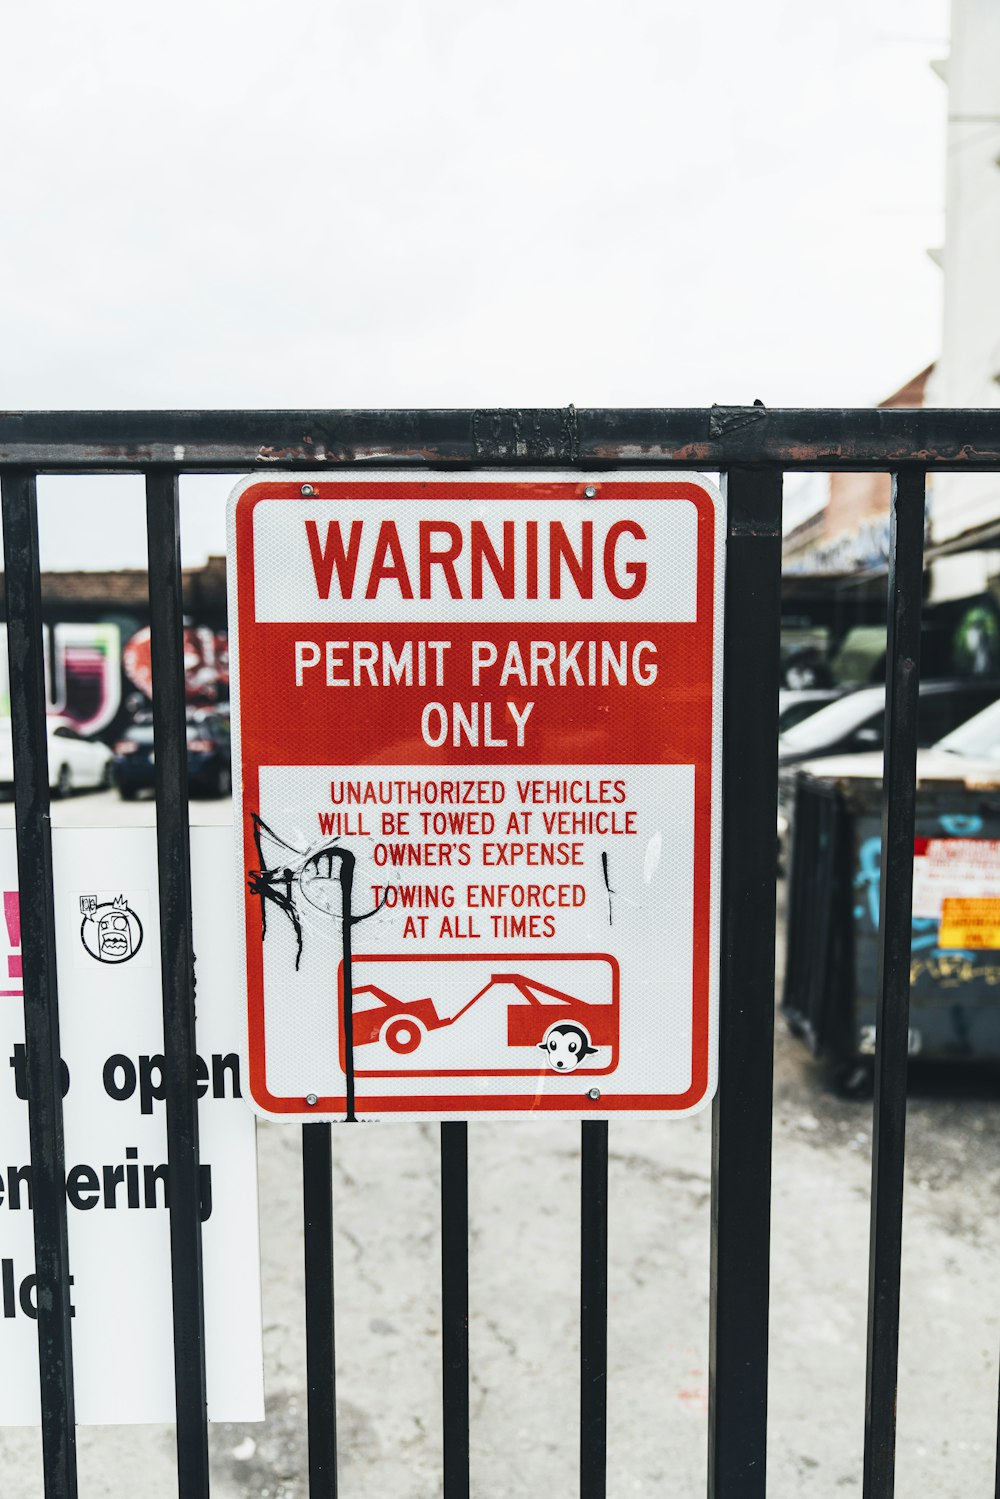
[{"x": 459, "y": 203}]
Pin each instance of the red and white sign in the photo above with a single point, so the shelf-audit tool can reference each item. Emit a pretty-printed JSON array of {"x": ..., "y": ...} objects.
[
  {"x": 477, "y": 751},
  {"x": 952, "y": 868}
]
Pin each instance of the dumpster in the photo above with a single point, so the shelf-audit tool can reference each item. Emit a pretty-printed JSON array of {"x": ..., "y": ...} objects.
[{"x": 834, "y": 836}]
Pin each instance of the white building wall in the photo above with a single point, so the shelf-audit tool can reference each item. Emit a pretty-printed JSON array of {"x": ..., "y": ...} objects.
[{"x": 968, "y": 371}]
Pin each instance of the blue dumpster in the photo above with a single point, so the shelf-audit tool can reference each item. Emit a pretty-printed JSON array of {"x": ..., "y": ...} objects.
[{"x": 833, "y": 909}]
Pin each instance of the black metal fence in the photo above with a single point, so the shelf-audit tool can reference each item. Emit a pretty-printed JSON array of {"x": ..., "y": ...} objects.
[{"x": 752, "y": 448}]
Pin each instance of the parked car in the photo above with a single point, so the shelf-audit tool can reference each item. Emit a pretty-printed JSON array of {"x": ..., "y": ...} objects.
[
  {"x": 209, "y": 758},
  {"x": 856, "y": 722},
  {"x": 795, "y": 704},
  {"x": 832, "y": 742},
  {"x": 971, "y": 751},
  {"x": 75, "y": 762}
]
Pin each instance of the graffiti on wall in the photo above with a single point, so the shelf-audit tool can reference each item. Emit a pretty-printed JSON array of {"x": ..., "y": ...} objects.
[
  {"x": 83, "y": 678},
  {"x": 84, "y": 663},
  {"x": 206, "y": 664}
]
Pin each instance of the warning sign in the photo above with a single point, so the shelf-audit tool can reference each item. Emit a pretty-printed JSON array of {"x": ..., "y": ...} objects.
[
  {"x": 477, "y": 754},
  {"x": 969, "y": 923},
  {"x": 957, "y": 882}
]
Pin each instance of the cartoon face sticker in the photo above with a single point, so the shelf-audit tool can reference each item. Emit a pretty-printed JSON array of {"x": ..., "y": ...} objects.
[
  {"x": 111, "y": 932},
  {"x": 565, "y": 1046},
  {"x": 114, "y": 939}
]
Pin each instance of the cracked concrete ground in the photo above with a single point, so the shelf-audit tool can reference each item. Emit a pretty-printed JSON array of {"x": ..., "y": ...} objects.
[{"x": 524, "y": 1210}]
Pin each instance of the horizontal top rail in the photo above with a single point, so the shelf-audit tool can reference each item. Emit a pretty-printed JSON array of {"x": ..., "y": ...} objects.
[{"x": 715, "y": 437}]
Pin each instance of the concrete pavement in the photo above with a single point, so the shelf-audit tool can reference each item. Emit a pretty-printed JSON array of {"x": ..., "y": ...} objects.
[{"x": 524, "y": 1183}]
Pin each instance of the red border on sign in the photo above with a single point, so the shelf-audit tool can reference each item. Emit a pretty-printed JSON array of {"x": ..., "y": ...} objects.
[{"x": 513, "y": 489}]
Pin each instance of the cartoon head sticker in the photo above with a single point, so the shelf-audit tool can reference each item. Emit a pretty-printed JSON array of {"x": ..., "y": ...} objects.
[
  {"x": 565, "y": 1046},
  {"x": 111, "y": 932}
]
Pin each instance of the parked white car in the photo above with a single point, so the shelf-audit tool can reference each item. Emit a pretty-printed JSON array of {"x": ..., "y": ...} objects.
[{"x": 75, "y": 762}]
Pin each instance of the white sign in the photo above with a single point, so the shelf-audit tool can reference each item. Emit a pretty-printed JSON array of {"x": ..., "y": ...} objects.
[
  {"x": 478, "y": 732},
  {"x": 111, "y": 1039},
  {"x": 945, "y": 868}
]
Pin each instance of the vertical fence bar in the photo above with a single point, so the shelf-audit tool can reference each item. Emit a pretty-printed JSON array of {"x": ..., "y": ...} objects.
[
  {"x": 594, "y": 1309},
  {"x": 177, "y": 972},
  {"x": 741, "y": 1116},
  {"x": 892, "y": 1015},
  {"x": 41, "y": 1009},
  {"x": 455, "y": 1306},
  {"x": 321, "y": 1370}
]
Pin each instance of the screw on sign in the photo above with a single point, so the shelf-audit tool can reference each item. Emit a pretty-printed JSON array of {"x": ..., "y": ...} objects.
[{"x": 477, "y": 752}]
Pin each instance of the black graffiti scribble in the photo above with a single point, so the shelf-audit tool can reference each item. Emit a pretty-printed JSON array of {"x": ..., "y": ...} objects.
[
  {"x": 604, "y": 868},
  {"x": 279, "y": 884},
  {"x": 274, "y": 884}
]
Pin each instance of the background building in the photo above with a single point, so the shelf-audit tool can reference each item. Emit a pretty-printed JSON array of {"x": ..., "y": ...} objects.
[
  {"x": 846, "y": 540},
  {"x": 965, "y": 511},
  {"x": 97, "y": 669}
]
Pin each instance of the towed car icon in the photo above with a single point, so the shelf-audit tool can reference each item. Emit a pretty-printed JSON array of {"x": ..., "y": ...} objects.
[{"x": 520, "y": 1013}]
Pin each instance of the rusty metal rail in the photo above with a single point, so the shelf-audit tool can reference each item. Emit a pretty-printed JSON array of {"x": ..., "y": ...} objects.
[{"x": 713, "y": 438}]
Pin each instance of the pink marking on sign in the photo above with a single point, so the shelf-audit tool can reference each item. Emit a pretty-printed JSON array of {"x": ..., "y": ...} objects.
[{"x": 12, "y": 916}]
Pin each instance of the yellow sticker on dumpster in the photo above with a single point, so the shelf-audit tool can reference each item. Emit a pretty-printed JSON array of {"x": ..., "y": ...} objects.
[{"x": 969, "y": 922}]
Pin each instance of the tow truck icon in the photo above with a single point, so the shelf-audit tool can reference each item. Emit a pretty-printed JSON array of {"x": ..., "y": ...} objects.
[{"x": 554, "y": 1029}]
